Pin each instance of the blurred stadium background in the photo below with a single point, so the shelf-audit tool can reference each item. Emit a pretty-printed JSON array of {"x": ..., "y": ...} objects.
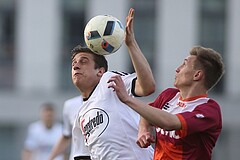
[{"x": 36, "y": 37}]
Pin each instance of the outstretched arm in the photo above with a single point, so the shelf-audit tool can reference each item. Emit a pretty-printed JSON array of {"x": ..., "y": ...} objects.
[
  {"x": 154, "y": 116},
  {"x": 145, "y": 83}
]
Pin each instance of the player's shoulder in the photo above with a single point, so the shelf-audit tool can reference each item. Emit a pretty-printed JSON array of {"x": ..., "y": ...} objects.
[
  {"x": 114, "y": 72},
  {"x": 126, "y": 77},
  {"x": 167, "y": 94},
  {"x": 73, "y": 101},
  {"x": 35, "y": 126},
  {"x": 211, "y": 109},
  {"x": 212, "y": 104},
  {"x": 121, "y": 73}
]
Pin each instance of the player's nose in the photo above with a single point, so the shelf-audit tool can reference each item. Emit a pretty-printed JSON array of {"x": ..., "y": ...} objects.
[
  {"x": 75, "y": 67},
  {"x": 177, "y": 69}
]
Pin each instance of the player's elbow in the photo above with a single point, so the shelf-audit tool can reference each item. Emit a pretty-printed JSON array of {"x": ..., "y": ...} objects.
[
  {"x": 145, "y": 89},
  {"x": 150, "y": 89}
]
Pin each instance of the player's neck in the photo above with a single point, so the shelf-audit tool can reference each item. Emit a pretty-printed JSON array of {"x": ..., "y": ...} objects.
[
  {"x": 86, "y": 95},
  {"x": 188, "y": 93},
  {"x": 48, "y": 125}
]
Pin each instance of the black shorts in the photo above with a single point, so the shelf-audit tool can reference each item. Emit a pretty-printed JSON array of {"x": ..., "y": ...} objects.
[{"x": 82, "y": 158}]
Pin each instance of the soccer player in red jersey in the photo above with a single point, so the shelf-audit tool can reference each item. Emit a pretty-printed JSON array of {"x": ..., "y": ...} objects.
[{"x": 188, "y": 122}]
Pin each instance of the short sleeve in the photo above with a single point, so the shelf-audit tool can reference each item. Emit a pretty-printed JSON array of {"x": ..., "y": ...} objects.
[
  {"x": 129, "y": 81},
  {"x": 204, "y": 118}
]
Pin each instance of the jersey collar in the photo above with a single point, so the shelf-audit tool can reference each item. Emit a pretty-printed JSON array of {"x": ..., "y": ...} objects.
[
  {"x": 193, "y": 98},
  {"x": 86, "y": 98}
]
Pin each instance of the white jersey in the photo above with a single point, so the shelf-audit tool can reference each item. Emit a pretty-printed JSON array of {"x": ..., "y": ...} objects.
[
  {"x": 40, "y": 140},
  {"x": 70, "y": 111},
  {"x": 110, "y": 127}
]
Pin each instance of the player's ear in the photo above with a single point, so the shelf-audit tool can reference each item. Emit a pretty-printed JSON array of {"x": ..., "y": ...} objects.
[
  {"x": 101, "y": 71},
  {"x": 198, "y": 75}
]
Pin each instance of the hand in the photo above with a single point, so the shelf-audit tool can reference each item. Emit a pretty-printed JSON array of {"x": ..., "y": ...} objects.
[
  {"x": 145, "y": 139},
  {"x": 117, "y": 84},
  {"x": 129, "y": 35}
]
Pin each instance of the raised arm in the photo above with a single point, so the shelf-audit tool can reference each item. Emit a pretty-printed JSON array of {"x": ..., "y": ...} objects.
[{"x": 145, "y": 83}]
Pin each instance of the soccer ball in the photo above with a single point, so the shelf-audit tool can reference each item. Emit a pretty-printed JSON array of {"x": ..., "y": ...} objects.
[{"x": 104, "y": 34}]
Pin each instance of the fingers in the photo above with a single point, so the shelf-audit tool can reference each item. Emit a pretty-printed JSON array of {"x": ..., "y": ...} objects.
[
  {"x": 145, "y": 140},
  {"x": 129, "y": 18},
  {"x": 131, "y": 12},
  {"x": 129, "y": 31},
  {"x": 143, "y": 144},
  {"x": 151, "y": 139},
  {"x": 116, "y": 79},
  {"x": 114, "y": 82}
]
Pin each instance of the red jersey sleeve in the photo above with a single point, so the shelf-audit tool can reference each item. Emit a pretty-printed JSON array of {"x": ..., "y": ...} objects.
[{"x": 204, "y": 118}]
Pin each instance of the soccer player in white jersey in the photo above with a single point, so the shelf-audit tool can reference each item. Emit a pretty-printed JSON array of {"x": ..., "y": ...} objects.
[
  {"x": 110, "y": 127},
  {"x": 42, "y": 135},
  {"x": 70, "y": 111}
]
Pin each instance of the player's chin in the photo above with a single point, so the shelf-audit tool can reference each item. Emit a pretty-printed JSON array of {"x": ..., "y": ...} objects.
[
  {"x": 175, "y": 84},
  {"x": 75, "y": 81}
]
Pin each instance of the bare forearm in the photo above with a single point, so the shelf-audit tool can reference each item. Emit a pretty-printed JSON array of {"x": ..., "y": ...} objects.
[
  {"x": 144, "y": 125},
  {"x": 145, "y": 83},
  {"x": 153, "y": 115},
  {"x": 145, "y": 80}
]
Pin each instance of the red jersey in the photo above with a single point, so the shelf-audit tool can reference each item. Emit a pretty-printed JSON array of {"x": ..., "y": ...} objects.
[{"x": 201, "y": 126}]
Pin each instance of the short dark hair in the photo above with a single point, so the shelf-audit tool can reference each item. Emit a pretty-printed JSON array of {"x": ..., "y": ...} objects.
[
  {"x": 211, "y": 62},
  {"x": 100, "y": 60}
]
